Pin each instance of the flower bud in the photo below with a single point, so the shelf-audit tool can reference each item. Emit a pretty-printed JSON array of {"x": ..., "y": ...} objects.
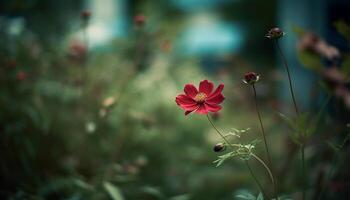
[
  {"x": 251, "y": 78},
  {"x": 219, "y": 147},
  {"x": 275, "y": 33},
  {"x": 11, "y": 63},
  {"x": 85, "y": 15},
  {"x": 21, "y": 75},
  {"x": 108, "y": 102},
  {"x": 139, "y": 20}
]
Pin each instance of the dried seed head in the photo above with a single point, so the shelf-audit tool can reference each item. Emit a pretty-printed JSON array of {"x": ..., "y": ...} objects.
[{"x": 275, "y": 33}]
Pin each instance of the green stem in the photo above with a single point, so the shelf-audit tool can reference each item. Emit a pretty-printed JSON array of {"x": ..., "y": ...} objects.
[
  {"x": 289, "y": 76},
  {"x": 232, "y": 146},
  {"x": 221, "y": 135},
  {"x": 302, "y": 148},
  {"x": 331, "y": 170},
  {"x": 255, "y": 178},
  {"x": 262, "y": 126},
  {"x": 264, "y": 136},
  {"x": 268, "y": 171}
]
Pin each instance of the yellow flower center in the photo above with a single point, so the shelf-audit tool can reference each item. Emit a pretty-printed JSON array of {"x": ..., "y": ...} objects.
[{"x": 200, "y": 97}]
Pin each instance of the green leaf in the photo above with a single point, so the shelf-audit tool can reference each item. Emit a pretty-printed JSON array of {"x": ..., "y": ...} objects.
[
  {"x": 153, "y": 191},
  {"x": 288, "y": 120},
  {"x": 181, "y": 197},
  {"x": 283, "y": 197},
  {"x": 113, "y": 191},
  {"x": 82, "y": 184},
  {"x": 303, "y": 126},
  {"x": 333, "y": 146},
  {"x": 293, "y": 126},
  {"x": 244, "y": 194},
  {"x": 345, "y": 66},
  {"x": 221, "y": 159},
  {"x": 260, "y": 197},
  {"x": 298, "y": 30},
  {"x": 343, "y": 28},
  {"x": 310, "y": 60}
]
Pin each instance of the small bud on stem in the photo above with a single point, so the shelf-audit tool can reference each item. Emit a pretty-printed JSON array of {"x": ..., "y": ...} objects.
[{"x": 219, "y": 147}]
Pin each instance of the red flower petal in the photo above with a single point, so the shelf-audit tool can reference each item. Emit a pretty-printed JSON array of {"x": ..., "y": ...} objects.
[
  {"x": 190, "y": 90},
  {"x": 217, "y": 91},
  {"x": 217, "y": 99},
  {"x": 206, "y": 87},
  {"x": 202, "y": 109},
  {"x": 186, "y": 102},
  {"x": 188, "y": 112},
  {"x": 212, "y": 108}
]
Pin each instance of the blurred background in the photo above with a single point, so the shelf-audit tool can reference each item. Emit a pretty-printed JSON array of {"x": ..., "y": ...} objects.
[{"x": 88, "y": 93}]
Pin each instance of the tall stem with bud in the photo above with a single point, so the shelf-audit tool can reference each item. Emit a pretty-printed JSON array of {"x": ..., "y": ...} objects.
[
  {"x": 251, "y": 78},
  {"x": 275, "y": 34}
]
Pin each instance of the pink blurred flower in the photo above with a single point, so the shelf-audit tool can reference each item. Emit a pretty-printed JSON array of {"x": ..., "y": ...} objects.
[{"x": 312, "y": 42}]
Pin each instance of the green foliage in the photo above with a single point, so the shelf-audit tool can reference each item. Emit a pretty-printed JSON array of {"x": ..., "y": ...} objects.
[
  {"x": 246, "y": 195},
  {"x": 303, "y": 127},
  {"x": 181, "y": 197},
  {"x": 343, "y": 28},
  {"x": 345, "y": 66},
  {"x": 298, "y": 30},
  {"x": 310, "y": 60},
  {"x": 242, "y": 151},
  {"x": 113, "y": 191}
]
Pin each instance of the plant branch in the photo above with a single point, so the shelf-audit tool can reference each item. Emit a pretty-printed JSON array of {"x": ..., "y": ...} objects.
[{"x": 232, "y": 146}]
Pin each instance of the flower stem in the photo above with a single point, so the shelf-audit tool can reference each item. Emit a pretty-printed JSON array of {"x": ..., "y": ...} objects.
[
  {"x": 289, "y": 76},
  {"x": 264, "y": 136},
  {"x": 232, "y": 146},
  {"x": 255, "y": 178},
  {"x": 302, "y": 147},
  {"x": 269, "y": 172},
  {"x": 262, "y": 126},
  {"x": 221, "y": 135},
  {"x": 331, "y": 170}
]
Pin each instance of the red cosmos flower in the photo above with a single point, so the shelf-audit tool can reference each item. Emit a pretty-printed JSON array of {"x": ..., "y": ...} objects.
[{"x": 202, "y": 101}]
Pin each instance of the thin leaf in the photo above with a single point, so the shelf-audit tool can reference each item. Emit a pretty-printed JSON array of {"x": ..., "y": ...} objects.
[
  {"x": 181, "y": 197},
  {"x": 244, "y": 194},
  {"x": 343, "y": 28},
  {"x": 113, "y": 191},
  {"x": 260, "y": 197}
]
